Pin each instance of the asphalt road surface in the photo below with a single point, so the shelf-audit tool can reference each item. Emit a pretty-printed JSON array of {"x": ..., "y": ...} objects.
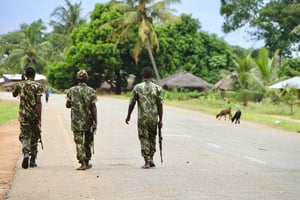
[{"x": 204, "y": 158}]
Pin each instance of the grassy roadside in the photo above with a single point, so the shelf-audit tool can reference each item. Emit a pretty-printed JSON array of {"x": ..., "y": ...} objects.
[
  {"x": 8, "y": 111},
  {"x": 267, "y": 113},
  {"x": 278, "y": 116}
]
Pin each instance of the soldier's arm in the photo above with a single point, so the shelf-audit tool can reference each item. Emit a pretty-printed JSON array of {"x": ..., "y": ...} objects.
[
  {"x": 38, "y": 108},
  {"x": 94, "y": 111},
  {"x": 68, "y": 104}
]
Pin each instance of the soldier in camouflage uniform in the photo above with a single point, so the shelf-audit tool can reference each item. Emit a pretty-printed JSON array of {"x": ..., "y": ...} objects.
[
  {"x": 29, "y": 116},
  {"x": 82, "y": 101},
  {"x": 149, "y": 98}
]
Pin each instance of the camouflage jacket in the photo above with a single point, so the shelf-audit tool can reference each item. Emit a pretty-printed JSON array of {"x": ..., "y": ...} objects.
[
  {"x": 29, "y": 91},
  {"x": 81, "y": 98},
  {"x": 148, "y": 95}
]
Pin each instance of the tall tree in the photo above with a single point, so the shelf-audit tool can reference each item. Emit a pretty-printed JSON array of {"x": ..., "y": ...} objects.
[
  {"x": 67, "y": 18},
  {"x": 139, "y": 17},
  {"x": 31, "y": 50},
  {"x": 266, "y": 66},
  {"x": 248, "y": 85}
]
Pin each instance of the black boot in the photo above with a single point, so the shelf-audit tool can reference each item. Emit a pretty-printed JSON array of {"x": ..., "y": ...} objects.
[
  {"x": 32, "y": 161},
  {"x": 25, "y": 160}
]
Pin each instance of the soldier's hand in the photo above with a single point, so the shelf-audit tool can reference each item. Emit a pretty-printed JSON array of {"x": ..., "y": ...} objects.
[
  {"x": 127, "y": 119},
  {"x": 159, "y": 124}
]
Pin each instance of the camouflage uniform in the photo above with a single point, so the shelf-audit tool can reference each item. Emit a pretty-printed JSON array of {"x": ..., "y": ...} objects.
[
  {"x": 29, "y": 90},
  {"x": 148, "y": 95},
  {"x": 81, "y": 98}
]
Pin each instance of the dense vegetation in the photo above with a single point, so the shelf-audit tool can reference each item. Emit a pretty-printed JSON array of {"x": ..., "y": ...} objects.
[{"x": 120, "y": 38}]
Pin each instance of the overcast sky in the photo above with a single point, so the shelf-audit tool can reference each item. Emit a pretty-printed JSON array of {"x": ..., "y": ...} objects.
[{"x": 15, "y": 12}]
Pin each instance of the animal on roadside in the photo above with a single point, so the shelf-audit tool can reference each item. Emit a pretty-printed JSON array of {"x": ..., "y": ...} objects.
[
  {"x": 224, "y": 113},
  {"x": 237, "y": 116}
]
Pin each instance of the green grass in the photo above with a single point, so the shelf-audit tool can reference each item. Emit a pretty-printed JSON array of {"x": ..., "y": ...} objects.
[{"x": 8, "y": 111}]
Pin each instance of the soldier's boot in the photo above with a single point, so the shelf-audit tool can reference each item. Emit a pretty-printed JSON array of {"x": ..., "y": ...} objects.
[
  {"x": 32, "y": 162},
  {"x": 25, "y": 160},
  {"x": 151, "y": 162},
  {"x": 88, "y": 165},
  {"x": 147, "y": 164},
  {"x": 82, "y": 167}
]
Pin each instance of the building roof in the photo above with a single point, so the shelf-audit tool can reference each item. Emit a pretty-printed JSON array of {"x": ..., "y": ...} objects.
[
  {"x": 292, "y": 82},
  {"x": 224, "y": 83},
  {"x": 18, "y": 77},
  {"x": 184, "y": 80}
]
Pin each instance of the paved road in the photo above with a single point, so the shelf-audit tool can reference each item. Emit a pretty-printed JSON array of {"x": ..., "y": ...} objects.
[{"x": 204, "y": 158}]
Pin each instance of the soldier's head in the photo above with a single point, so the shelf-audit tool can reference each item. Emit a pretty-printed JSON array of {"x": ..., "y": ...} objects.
[
  {"x": 30, "y": 73},
  {"x": 147, "y": 72},
  {"x": 82, "y": 76}
]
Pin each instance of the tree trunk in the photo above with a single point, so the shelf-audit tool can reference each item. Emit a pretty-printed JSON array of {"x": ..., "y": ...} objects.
[
  {"x": 118, "y": 89},
  {"x": 152, "y": 60}
]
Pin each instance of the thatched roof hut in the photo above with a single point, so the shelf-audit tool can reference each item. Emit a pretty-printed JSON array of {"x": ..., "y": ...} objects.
[
  {"x": 224, "y": 83},
  {"x": 184, "y": 80}
]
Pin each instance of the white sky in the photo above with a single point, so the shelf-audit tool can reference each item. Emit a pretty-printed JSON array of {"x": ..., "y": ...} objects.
[{"x": 15, "y": 12}]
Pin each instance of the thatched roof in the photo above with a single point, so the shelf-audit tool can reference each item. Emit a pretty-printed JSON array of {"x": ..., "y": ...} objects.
[
  {"x": 224, "y": 83},
  {"x": 184, "y": 80},
  {"x": 292, "y": 82}
]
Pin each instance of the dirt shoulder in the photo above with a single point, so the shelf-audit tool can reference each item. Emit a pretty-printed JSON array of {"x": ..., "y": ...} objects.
[{"x": 9, "y": 154}]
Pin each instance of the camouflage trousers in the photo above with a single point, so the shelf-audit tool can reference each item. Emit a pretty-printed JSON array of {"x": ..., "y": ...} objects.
[
  {"x": 147, "y": 137},
  {"x": 83, "y": 141},
  {"x": 29, "y": 138}
]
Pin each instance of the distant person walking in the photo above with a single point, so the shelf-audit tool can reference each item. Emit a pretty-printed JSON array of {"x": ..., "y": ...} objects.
[
  {"x": 82, "y": 101},
  {"x": 47, "y": 95},
  {"x": 149, "y": 98},
  {"x": 30, "y": 110}
]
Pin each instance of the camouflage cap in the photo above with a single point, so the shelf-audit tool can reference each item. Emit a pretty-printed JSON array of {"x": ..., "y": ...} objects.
[{"x": 81, "y": 74}]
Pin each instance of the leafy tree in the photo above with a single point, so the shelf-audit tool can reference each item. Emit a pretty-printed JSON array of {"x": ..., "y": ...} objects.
[
  {"x": 139, "y": 16},
  {"x": 273, "y": 21},
  {"x": 89, "y": 50},
  {"x": 30, "y": 50},
  {"x": 183, "y": 46},
  {"x": 290, "y": 67}
]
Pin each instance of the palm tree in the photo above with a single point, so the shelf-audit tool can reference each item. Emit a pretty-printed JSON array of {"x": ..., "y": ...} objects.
[
  {"x": 247, "y": 84},
  {"x": 266, "y": 67},
  {"x": 139, "y": 16},
  {"x": 31, "y": 51},
  {"x": 67, "y": 17}
]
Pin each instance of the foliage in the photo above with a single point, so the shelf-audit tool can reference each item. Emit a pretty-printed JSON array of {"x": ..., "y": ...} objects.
[
  {"x": 266, "y": 67},
  {"x": 89, "y": 50},
  {"x": 138, "y": 18},
  {"x": 290, "y": 67},
  {"x": 67, "y": 18},
  {"x": 183, "y": 47},
  {"x": 273, "y": 21},
  {"x": 28, "y": 49},
  {"x": 289, "y": 97}
]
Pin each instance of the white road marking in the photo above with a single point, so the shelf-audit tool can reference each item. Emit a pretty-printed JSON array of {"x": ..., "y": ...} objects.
[
  {"x": 256, "y": 160},
  {"x": 175, "y": 135},
  {"x": 214, "y": 145}
]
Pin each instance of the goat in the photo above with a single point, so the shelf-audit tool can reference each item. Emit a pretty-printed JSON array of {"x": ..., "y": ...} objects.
[
  {"x": 237, "y": 116},
  {"x": 224, "y": 113}
]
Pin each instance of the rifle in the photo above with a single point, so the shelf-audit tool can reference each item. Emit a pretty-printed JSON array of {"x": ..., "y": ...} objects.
[
  {"x": 92, "y": 133},
  {"x": 40, "y": 135},
  {"x": 160, "y": 144}
]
